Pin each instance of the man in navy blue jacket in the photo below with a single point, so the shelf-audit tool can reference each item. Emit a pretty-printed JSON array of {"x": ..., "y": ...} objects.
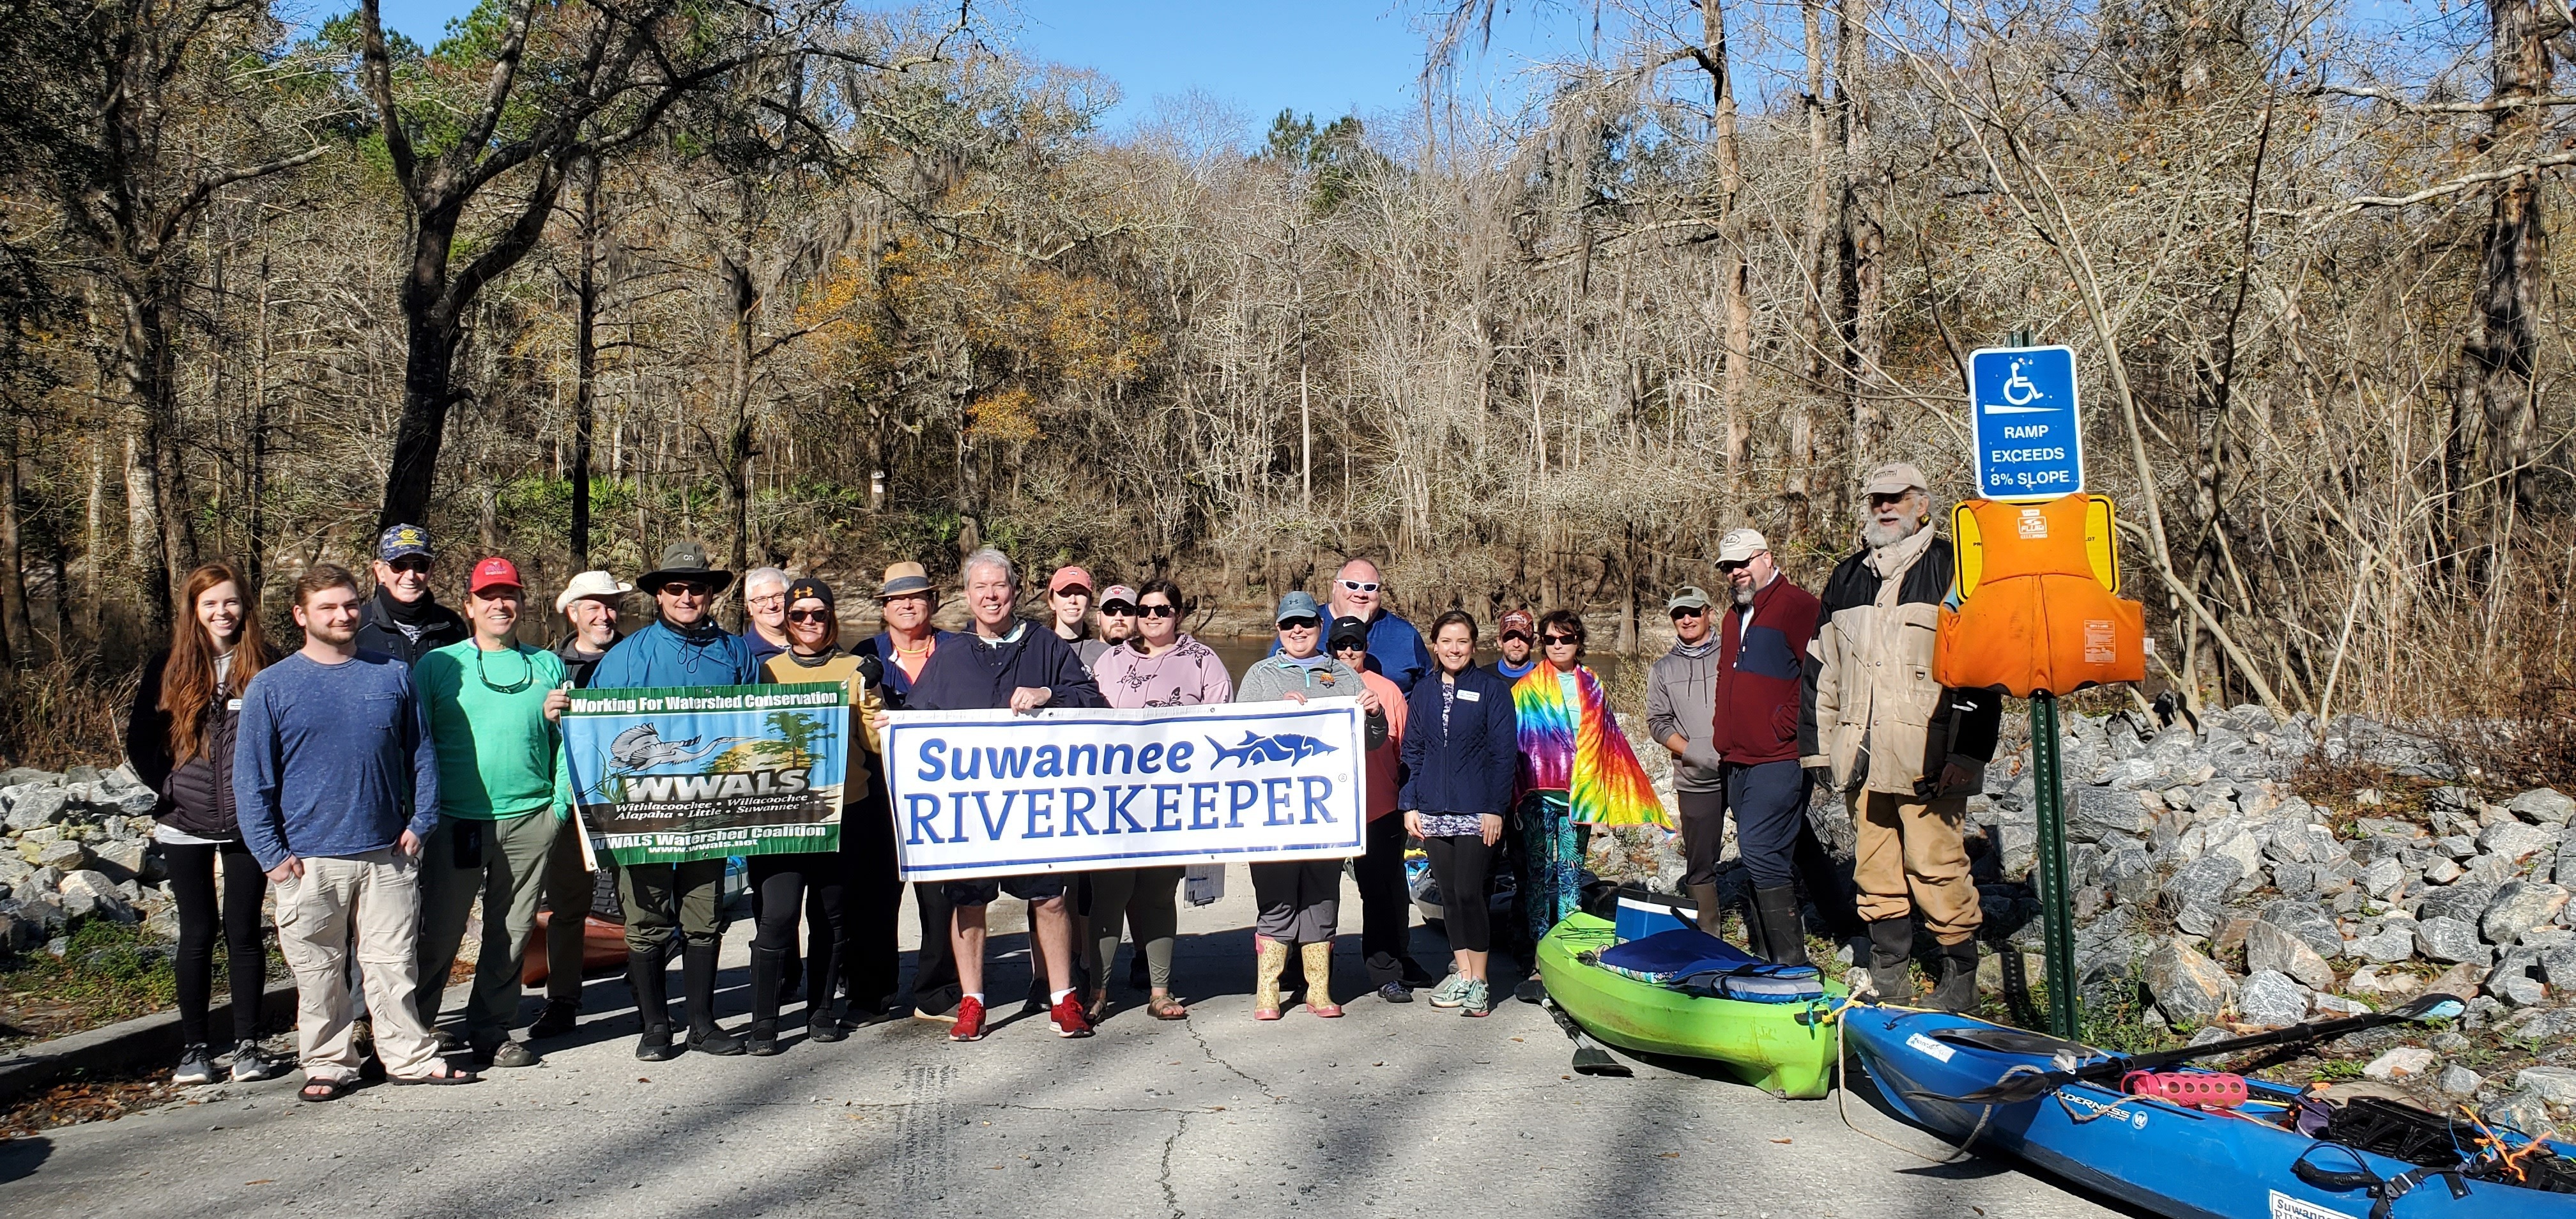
[{"x": 1006, "y": 661}]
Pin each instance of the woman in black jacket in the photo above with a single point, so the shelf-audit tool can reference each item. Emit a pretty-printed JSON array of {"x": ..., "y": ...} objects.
[
  {"x": 179, "y": 739},
  {"x": 1461, "y": 753}
]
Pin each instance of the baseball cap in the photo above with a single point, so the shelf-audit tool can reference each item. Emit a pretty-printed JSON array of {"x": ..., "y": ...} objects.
[
  {"x": 1741, "y": 544},
  {"x": 1116, "y": 593},
  {"x": 1519, "y": 622},
  {"x": 402, "y": 541},
  {"x": 494, "y": 572},
  {"x": 1895, "y": 478},
  {"x": 591, "y": 584},
  {"x": 1297, "y": 605},
  {"x": 901, "y": 578},
  {"x": 1069, "y": 577},
  {"x": 1691, "y": 596},
  {"x": 1349, "y": 633}
]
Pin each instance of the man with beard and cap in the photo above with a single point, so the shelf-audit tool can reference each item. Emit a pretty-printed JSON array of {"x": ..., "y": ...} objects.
[
  {"x": 1517, "y": 636},
  {"x": 683, "y": 646},
  {"x": 1904, "y": 752},
  {"x": 404, "y": 619}
]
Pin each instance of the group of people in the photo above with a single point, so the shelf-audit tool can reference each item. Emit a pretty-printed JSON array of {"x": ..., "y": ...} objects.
[{"x": 405, "y": 764}]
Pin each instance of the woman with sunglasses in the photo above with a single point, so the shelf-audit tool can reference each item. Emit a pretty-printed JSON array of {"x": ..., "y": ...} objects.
[
  {"x": 817, "y": 883},
  {"x": 1160, "y": 666},
  {"x": 1300, "y": 900},
  {"x": 1461, "y": 752},
  {"x": 1577, "y": 770}
]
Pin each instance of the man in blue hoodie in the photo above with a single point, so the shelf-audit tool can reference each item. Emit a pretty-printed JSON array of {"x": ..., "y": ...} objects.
[
  {"x": 683, "y": 647},
  {"x": 337, "y": 786},
  {"x": 1006, "y": 661}
]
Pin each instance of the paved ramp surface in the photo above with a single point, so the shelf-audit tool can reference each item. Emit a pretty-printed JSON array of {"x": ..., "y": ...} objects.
[{"x": 1393, "y": 1110}]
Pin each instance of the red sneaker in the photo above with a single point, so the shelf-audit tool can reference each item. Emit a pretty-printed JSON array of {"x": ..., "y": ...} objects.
[
  {"x": 970, "y": 1021},
  {"x": 1067, "y": 1019}
]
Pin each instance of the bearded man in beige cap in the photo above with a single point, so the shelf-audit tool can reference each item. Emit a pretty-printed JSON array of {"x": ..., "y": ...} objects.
[{"x": 1904, "y": 752}]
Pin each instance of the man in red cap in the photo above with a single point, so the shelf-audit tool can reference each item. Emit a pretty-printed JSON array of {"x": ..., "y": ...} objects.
[{"x": 501, "y": 797}]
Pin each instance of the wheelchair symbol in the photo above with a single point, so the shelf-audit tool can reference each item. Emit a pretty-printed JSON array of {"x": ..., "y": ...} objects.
[{"x": 2018, "y": 389}]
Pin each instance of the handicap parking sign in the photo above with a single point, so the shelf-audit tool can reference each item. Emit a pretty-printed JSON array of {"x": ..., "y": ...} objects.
[{"x": 2029, "y": 434}]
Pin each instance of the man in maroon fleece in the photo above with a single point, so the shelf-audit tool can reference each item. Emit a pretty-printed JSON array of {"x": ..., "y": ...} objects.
[{"x": 1762, "y": 640}]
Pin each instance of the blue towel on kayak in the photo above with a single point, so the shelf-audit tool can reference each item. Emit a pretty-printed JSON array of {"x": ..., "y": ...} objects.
[{"x": 1693, "y": 960}]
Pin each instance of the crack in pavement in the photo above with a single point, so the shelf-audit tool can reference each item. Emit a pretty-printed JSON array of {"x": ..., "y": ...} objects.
[
  {"x": 1172, "y": 1197},
  {"x": 1240, "y": 1073}
]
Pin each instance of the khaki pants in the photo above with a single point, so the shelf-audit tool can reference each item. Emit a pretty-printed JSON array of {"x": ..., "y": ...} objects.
[
  {"x": 1909, "y": 856},
  {"x": 506, "y": 879},
  {"x": 371, "y": 901},
  {"x": 570, "y": 891}
]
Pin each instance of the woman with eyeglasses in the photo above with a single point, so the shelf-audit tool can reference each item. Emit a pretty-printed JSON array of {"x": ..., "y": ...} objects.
[
  {"x": 1461, "y": 753},
  {"x": 1300, "y": 900},
  {"x": 1160, "y": 666},
  {"x": 1577, "y": 770},
  {"x": 817, "y": 883}
]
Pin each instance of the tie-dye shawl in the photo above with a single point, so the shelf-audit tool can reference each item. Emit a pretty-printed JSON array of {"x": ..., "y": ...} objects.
[{"x": 1577, "y": 748}]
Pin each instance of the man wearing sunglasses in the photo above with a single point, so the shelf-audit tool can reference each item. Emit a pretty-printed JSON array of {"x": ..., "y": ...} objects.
[
  {"x": 1681, "y": 699},
  {"x": 682, "y": 647},
  {"x": 1395, "y": 647},
  {"x": 404, "y": 619}
]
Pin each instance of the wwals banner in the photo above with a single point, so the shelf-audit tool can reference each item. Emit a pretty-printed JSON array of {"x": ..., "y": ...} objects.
[
  {"x": 989, "y": 793},
  {"x": 671, "y": 775}
]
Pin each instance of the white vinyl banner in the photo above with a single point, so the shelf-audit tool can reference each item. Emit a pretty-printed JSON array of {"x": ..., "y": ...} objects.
[{"x": 989, "y": 793}]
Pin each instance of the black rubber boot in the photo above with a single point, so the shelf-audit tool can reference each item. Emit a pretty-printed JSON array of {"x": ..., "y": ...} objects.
[
  {"x": 698, "y": 978},
  {"x": 1891, "y": 943},
  {"x": 1957, "y": 989},
  {"x": 1784, "y": 932},
  {"x": 825, "y": 963},
  {"x": 766, "y": 965},
  {"x": 652, "y": 1004}
]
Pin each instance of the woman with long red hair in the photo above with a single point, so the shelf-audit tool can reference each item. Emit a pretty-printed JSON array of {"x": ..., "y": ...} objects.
[{"x": 179, "y": 739}]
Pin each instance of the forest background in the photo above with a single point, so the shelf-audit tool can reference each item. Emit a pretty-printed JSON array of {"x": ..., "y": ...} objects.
[{"x": 831, "y": 285}]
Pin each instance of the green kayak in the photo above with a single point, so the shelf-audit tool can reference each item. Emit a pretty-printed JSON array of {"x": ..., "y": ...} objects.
[{"x": 1783, "y": 1048}]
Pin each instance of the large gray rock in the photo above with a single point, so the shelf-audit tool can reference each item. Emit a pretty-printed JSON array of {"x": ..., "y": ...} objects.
[
  {"x": 2516, "y": 841},
  {"x": 2202, "y": 883},
  {"x": 127, "y": 859},
  {"x": 2187, "y": 986},
  {"x": 2384, "y": 947},
  {"x": 2457, "y": 1080},
  {"x": 2543, "y": 805},
  {"x": 2271, "y": 999},
  {"x": 2110, "y": 813},
  {"x": 133, "y": 801},
  {"x": 2383, "y": 876},
  {"x": 92, "y": 894},
  {"x": 2446, "y": 939},
  {"x": 2523, "y": 1111},
  {"x": 2518, "y": 907},
  {"x": 29, "y": 776},
  {"x": 2271, "y": 947},
  {"x": 30, "y": 807},
  {"x": 2557, "y": 1085},
  {"x": 2557, "y": 967},
  {"x": 2309, "y": 922},
  {"x": 61, "y": 853},
  {"x": 2466, "y": 902}
]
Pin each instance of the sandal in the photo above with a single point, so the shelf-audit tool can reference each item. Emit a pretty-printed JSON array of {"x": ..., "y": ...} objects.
[
  {"x": 1098, "y": 1009},
  {"x": 328, "y": 1090},
  {"x": 1165, "y": 1007},
  {"x": 447, "y": 1075}
]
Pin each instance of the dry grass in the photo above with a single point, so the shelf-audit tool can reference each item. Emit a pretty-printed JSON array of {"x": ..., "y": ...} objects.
[{"x": 65, "y": 713}]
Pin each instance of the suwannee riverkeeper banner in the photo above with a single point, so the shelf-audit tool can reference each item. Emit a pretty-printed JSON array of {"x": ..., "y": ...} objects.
[
  {"x": 671, "y": 775},
  {"x": 989, "y": 793}
]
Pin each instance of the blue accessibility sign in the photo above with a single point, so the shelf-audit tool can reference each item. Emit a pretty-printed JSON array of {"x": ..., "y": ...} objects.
[{"x": 2029, "y": 433}]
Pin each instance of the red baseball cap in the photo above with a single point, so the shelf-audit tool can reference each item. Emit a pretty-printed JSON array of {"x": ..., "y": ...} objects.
[
  {"x": 1069, "y": 577},
  {"x": 494, "y": 572}
]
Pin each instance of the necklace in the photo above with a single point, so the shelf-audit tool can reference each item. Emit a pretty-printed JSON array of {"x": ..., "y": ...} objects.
[
  {"x": 526, "y": 675},
  {"x": 901, "y": 650}
]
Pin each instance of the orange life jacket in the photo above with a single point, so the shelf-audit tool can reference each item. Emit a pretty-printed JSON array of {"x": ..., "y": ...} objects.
[{"x": 2038, "y": 610}]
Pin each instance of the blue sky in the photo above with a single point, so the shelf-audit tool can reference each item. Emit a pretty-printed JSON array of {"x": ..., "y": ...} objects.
[{"x": 1325, "y": 57}]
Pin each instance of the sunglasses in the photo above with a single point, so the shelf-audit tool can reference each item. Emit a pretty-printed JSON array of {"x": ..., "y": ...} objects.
[
  {"x": 809, "y": 616},
  {"x": 1360, "y": 586},
  {"x": 1307, "y": 623},
  {"x": 1688, "y": 612},
  {"x": 1117, "y": 609},
  {"x": 410, "y": 563},
  {"x": 1737, "y": 565},
  {"x": 687, "y": 588},
  {"x": 1160, "y": 611},
  {"x": 1562, "y": 641}
]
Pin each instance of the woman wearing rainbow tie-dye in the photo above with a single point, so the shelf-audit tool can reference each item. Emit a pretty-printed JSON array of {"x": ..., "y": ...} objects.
[{"x": 1576, "y": 769}]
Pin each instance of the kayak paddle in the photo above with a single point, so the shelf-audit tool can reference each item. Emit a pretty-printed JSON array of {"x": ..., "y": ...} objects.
[
  {"x": 1589, "y": 1057},
  {"x": 2014, "y": 1089}
]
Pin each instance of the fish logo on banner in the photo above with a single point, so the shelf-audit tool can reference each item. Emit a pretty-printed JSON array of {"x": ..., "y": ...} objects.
[{"x": 1283, "y": 747}]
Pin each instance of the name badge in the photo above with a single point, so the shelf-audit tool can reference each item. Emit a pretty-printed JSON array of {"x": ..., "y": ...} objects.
[
  {"x": 1470, "y": 696},
  {"x": 232, "y": 705}
]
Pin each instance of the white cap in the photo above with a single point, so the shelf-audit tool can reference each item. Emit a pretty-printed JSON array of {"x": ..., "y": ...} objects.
[
  {"x": 1740, "y": 545},
  {"x": 591, "y": 584}
]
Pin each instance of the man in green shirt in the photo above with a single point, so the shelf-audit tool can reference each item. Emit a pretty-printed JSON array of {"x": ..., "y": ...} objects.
[{"x": 501, "y": 796}]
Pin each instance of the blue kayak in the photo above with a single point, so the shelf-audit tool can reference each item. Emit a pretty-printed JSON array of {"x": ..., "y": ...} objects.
[{"x": 2245, "y": 1163}]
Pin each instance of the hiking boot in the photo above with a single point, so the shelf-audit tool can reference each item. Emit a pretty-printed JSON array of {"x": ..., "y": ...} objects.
[
  {"x": 1891, "y": 944},
  {"x": 970, "y": 1021},
  {"x": 1477, "y": 1001},
  {"x": 1395, "y": 992},
  {"x": 1452, "y": 992},
  {"x": 1066, "y": 1017},
  {"x": 1957, "y": 989},
  {"x": 196, "y": 1066},
  {"x": 762, "y": 1040},
  {"x": 557, "y": 1021},
  {"x": 251, "y": 1064},
  {"x": 824, "y": 1026},
  {"x": 506, "y": 1054}
]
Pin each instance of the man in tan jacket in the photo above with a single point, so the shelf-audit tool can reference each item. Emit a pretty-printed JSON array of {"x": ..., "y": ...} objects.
[{"x": 1905, "y": 752}]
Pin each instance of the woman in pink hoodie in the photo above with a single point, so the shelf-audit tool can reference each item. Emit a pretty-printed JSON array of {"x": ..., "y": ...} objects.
[{"x": 1158, "y": 666}]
